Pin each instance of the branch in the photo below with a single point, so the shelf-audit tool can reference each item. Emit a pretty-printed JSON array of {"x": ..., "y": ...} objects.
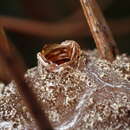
[
  {"x": 99, "y": 29},
  {"x": 42, "y": 29},
  {"x": 66, "y": 29},
  {"x": 15, "y": 67}
]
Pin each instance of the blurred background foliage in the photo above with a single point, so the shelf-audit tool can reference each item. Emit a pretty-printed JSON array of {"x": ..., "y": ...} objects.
[{"x": 51, "y": 11}]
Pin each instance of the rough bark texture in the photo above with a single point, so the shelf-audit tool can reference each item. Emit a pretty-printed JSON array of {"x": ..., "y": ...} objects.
[{"x": 101, "y": 33}]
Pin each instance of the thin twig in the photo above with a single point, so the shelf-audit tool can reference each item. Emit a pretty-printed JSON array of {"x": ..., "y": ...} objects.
[
  {"x": 14, "y": 65},
  {"x": 4, "y": 75},
  {"x": 99, "y": 29},
  {"x": 43, "y": 29},
  {"x": 68, "y": 27}
]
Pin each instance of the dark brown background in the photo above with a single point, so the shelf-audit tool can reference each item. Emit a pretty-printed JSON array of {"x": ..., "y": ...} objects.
[{"x": 56, "y": 10}]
